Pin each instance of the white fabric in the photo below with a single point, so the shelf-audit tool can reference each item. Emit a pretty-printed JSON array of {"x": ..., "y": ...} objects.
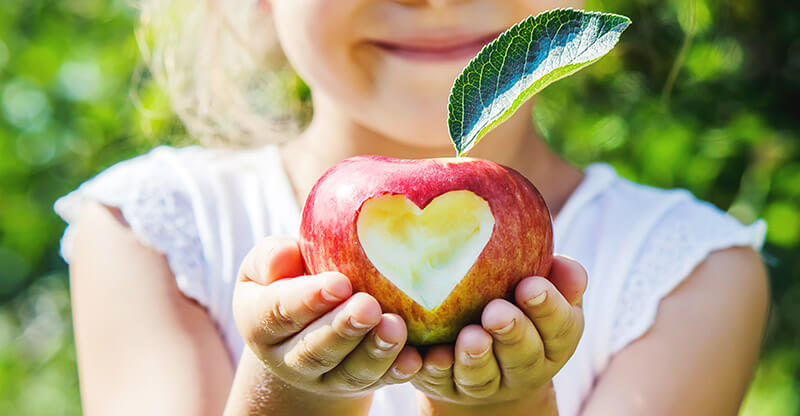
[{"x": 204, "y": 209}]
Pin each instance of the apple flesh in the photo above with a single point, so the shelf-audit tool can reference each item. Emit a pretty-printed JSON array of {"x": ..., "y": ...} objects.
[{"x": 433, "y": 240}]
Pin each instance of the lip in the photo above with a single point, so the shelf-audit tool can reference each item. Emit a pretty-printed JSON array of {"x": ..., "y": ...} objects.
[{"x": 432, "y": 48}]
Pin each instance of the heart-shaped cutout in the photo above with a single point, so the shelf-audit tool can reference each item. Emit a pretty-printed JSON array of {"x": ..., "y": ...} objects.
[{"x": 425, "y": 252}]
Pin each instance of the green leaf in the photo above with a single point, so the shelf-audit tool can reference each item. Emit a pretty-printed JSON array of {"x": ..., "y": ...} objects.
[{"x": 522, "y": 61}]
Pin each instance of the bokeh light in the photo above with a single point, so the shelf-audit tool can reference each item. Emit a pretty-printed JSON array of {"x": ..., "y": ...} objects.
[{"x": 700, "y": 94}]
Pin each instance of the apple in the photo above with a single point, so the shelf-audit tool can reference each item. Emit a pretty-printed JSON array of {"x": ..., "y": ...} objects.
[{"x": 433, "y": 240}]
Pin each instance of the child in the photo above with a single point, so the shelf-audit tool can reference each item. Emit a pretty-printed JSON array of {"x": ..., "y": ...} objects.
[{"x": 187, "y": 299}]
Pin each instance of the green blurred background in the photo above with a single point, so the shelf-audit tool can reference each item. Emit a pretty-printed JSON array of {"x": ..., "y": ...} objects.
[{"x": 701, "y": 94}]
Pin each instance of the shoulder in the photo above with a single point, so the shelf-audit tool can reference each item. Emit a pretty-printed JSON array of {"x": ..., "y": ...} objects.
[
  {"x": 648, "y": 242},
  {"x": 178, "y": 165},
  {"x": 675, "y": 226},
  {"x": 648, "y": 218},
  {"x": 174, "y": 201},
  {"x": 672, "y": 277},
  {"x": 126, "y": 303},
  {"x": 654, "y": 203},
  {"x": 709, "y": 327},
  {"x": 735, "y": 270}
]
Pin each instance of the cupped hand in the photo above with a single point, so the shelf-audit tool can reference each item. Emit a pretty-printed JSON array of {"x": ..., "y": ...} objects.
[
  {"x": 517, "y": 349},
  {"x": 312, "y": 331}
]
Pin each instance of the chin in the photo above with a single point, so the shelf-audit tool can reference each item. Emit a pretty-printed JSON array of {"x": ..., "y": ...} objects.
[
  {"x": 419, "y": 133},
  {"x": 418, "y": 120}
]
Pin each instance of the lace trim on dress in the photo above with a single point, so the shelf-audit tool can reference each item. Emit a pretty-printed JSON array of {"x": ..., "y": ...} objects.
[
  {"x": 678, "y": 244},
  {"x": 148, "y": 193}
]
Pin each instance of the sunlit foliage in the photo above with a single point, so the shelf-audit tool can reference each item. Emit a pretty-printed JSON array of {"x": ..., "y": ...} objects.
[{"x": 700, "y": 94}]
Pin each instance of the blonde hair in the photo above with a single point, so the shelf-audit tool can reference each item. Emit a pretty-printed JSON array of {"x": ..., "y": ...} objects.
[{"x": 220, "y": 64}]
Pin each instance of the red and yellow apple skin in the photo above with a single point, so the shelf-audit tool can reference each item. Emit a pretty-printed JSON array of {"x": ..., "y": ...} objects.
[{"x": 521, "y": 243}]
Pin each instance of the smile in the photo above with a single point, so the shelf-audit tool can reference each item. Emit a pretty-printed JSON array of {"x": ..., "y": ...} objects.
[{"x": 436, "y": 49}]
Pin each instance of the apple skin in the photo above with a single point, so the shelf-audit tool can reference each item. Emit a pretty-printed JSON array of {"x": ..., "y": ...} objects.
[{"x": 521, "y": 243}]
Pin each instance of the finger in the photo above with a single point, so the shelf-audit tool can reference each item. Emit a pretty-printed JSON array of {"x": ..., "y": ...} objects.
[
  {"x": 407, "y": 364},
  {"x": 517, "y": 346},
  {"x": 475, "y": 372},
  {"x": 569, "y": 277},
  {"x": 559, "y": 324},
  {"x": 267, "y": 315},
  {"x": 436, "y": 375},
  {"x": 322, "y": 345},
  {"x": 372, "y": 358},
  {"x": 273, "y": 258}
]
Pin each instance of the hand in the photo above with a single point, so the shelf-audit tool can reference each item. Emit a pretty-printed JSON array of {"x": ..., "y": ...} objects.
[
  {"x": 312, "y": 332},
  {"x": 516, "y": 350}
]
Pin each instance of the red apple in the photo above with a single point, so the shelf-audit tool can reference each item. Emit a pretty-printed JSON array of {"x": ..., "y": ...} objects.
[{"x": 432, "y": 240}]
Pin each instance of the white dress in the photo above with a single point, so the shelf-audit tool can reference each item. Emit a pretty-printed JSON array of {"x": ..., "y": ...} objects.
[{"x": 205, "y": 208}]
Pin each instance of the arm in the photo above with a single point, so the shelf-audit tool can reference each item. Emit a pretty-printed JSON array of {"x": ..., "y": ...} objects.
[
  {"x": 506, "y": 365},
  {"x": 142, "y": 346},
  {"x": 314, "y": 347},
  {"x": 698, "y": 357},
  {"x": 256, "y": 391}
]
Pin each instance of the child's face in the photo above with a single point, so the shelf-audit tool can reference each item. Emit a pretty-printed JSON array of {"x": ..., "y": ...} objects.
[{"x": 389, "y": 64}]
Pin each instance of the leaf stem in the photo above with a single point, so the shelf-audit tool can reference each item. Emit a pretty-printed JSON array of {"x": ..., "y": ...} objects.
[{"x": 681, "y": 57}]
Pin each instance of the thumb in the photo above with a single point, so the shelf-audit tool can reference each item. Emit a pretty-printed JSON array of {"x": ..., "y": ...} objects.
[
  {"x": 273, "y": 258},
  {"x": 569, "y": 277}
]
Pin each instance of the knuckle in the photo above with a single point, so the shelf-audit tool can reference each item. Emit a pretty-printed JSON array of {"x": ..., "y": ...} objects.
[
  {"x": 396, "y": 377},
  {"x": 255, "y": 336},
  {"x": 565, "y": 328},
  {"x": 348, "y": 333},
  {"x": 256, "y": 340},
  {"x": 261, "y": 352},
  {"x": 546, "y": 312},
  {"x": 354, "y": 381},
  {"x": 277, "y": 319},
  {"x": 516, "y": 336},
  {"x": 480, "y": 389},
  {"x": 310, "y": 305},
  {"x": 275, "y": 364},
  {"x": 560, "y": 349},
  {"x": 428, "y": 389},
  {"x": 252, "y": 332},
  {"x": 437, "y": 377},
  {"x": 306, "y": 357},
  {"x": 420, "y": 385},
  {"x": 436, "y": 386},
  {"x": 474, "y": 365},
  {"x": 437, "y": 380},
  {"x": 375, "y": 354},
  {"x": 528, "y": 366}
]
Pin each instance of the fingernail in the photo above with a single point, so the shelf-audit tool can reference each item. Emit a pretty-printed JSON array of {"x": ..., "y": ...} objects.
[
  {"x": 473, "y": 356},
  {"x": 384, "y": 345},
  {"x": 506, "y": 329},
  {"x": 357, "y": 325},
  {"x": 435, "y": 370},
  {"x": 396, "y": 373},
  {"x": 566, "y": 257},
  {"x": 329, "y": 297},
  {"x": 538, "y": 300}
]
